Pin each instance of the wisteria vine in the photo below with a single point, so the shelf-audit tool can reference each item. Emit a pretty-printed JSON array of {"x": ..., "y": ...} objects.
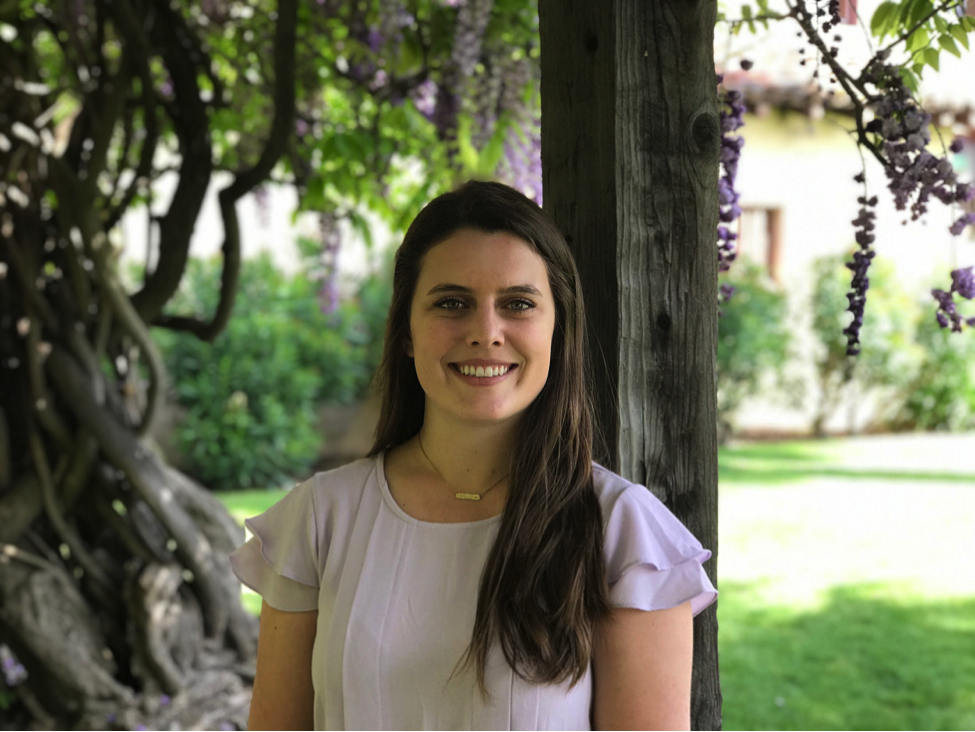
[
  {"x": 898, "y": 136},
  {"x": 894, "y": 129}
]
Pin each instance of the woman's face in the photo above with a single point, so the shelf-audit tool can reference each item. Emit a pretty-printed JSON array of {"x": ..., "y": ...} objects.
[{"x": 482, "y": 306}]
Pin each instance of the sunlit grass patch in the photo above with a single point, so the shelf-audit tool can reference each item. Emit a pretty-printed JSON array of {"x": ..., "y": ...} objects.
[
  {"x": 245, "y": 504},
  {"x": 250, "y": 600},
  {"x": 901, "y": 458},
  {"x": 865, "y": 659}
]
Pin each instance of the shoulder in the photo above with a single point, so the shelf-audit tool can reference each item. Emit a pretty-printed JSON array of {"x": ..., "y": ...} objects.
[
  {"x": 296, "y": 534},
  {"x": 610, "y": 487},
  {"x": 636, "y": 522},
  {"x": 617, "y": 495},
  {"x": 346, "y": 481},
  {"x": 335, "y": 494}
]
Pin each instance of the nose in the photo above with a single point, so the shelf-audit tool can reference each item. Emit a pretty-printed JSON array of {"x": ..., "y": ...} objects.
[{"x": 486, "y": 328}]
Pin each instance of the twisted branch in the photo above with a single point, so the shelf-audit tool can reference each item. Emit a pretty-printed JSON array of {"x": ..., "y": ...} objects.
[{"x": 244, "y": 182}]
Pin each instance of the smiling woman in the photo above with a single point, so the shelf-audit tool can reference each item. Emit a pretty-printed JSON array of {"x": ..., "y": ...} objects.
[{"x": 477, "y": 570}]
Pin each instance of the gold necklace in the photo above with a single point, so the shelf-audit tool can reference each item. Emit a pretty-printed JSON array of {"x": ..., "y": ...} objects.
[{"x": 460, "y": 496}]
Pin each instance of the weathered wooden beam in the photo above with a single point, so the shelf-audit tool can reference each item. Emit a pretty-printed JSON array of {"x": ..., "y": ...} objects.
[{"x": 630, "y": 133}]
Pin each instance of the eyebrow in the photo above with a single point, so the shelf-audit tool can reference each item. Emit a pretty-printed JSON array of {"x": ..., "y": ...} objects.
[{"x": 512, "y": 290}]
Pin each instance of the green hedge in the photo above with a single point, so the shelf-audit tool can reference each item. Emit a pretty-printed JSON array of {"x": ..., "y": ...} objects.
[
  {"x": 250, "y": 397},
  {"x": 939, "y": 392},
  {"x": 754, "y": 339}
]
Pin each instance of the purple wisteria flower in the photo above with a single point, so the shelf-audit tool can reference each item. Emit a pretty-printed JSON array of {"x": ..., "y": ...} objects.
[
  {"x": 962, "y": 283},
  {"x": 865, "y": 225},
  {"x": 14, "y": 672},
  {"x": 328, "y": 293},
  {"x": 521, "y": 166},
  {"x": 379, "y": 80},
  {"x": 374, "y": 39},
  {"x": 732, "y": 119},
  {"x": 424, "y": 97},
  {"x": 959, "y": 226},
  {"x": 901, "y": 135}
]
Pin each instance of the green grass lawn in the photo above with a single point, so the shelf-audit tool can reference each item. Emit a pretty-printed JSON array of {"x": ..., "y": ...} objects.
[{"x": 847, "y": 593}]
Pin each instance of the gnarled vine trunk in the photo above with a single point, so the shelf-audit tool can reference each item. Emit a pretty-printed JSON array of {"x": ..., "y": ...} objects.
[{"x": 116, "y": 593}]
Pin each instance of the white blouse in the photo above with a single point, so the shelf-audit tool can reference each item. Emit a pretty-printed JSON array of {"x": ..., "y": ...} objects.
[{"x": 396, "y": 599}]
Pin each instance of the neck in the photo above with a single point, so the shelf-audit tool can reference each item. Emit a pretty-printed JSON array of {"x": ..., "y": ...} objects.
[{"x": 469, "y": 457}]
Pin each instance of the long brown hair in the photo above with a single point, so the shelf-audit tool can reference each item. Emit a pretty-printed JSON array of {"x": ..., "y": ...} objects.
[{"x": 544, "y": 584}]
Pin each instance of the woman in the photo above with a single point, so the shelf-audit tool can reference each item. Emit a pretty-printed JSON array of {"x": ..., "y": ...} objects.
[{"x": 477, "y": 570}]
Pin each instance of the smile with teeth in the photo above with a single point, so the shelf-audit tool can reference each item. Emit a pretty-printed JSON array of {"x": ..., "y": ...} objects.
[{"x": 481, "y": 371}]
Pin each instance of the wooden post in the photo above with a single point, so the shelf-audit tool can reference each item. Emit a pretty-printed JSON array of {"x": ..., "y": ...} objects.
[{"x": 630, "y": 134}]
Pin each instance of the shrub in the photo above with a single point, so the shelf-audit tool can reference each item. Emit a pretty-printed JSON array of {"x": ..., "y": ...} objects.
[
  {"x": 939, "y": 393},
  {"x": 887, "y": 349},
  {"x": 250, "y": 396},
  {"x": 753, "y": 340}
]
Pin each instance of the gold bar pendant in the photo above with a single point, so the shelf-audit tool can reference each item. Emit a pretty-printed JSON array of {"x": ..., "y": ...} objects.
[{"x": 468, "y": 496}]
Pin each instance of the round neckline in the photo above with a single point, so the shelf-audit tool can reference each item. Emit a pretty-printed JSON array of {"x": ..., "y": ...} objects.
[{"x": 404, "y": 516}]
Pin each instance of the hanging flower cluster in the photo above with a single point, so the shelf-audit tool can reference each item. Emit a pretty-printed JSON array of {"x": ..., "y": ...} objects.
[
  {"x": 901, "y": 131},
  {"x": 963, "y": 283},
  {"x": 865, "y": 225},
  {"x": 331, "y": 234},
  {"x": 732, "y": 116}
]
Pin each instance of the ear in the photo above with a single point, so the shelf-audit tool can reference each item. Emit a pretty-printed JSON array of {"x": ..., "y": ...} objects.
[{"x": 408, "y": 347}]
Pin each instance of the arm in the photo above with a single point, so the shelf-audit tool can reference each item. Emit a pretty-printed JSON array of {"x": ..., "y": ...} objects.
[
  {"x": 642, "y": 669},
  {"x": 283, "y": 696}
]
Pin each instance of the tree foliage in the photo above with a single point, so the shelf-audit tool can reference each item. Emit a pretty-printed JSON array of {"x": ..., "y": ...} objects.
[{"x": 890, "y": 122}]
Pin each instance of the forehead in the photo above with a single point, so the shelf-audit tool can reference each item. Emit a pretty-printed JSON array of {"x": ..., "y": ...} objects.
[{"x": 475, "y": 258}]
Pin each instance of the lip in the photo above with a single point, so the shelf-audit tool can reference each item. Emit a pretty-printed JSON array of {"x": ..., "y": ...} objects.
[{"x": 482, "y": 380}]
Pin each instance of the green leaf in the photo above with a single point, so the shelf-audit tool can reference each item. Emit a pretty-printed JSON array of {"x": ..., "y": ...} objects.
[
  {"x": 948, "y": 44},
  {"x": 959, "y": 33},
  {"x": 940, "y": 24},
  {"x": 910, "y": 80},
  {"x": 884, "y": 18},
  {"x": 904, "y": 10},
  {"x": 746, "y": 11},
  {"x": 931, "y": 58},
  {"x": 362, "y": 227},
  {"x": 921, "y": 9},
  {"x": 918, "y": 40}
]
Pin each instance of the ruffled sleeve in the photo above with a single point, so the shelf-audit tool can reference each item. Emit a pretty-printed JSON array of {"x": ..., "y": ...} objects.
[
  {"x": 653, "y": 562},
  {"x": 280, "y": 561}
]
